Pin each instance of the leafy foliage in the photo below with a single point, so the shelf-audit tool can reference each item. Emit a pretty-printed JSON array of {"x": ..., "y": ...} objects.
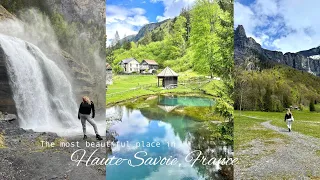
[
  {"x": 212, "y": 38},
  {"x": 275, "y": 89}
]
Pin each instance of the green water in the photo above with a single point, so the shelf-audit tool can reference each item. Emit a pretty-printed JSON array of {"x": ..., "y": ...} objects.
[
  {"x": 177, "y": 136},
  {"x": 185, "y": 101}
]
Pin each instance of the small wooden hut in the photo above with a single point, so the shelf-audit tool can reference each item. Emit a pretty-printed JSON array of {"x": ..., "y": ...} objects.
[{"x": 168, "y": 78}]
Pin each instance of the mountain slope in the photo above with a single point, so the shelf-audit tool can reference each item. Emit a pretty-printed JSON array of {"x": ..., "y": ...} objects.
[
  {"x": 163, "y": 25},
  {"x": 246, "y": 49}
]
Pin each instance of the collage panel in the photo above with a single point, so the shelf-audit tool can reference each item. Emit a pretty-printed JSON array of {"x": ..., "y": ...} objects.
[
  {"x": 52, "y": 66},
  {"x": 169, "y": 105},
  {"x": 159, "y": 89},
  {"x": 277, "y": 92}
]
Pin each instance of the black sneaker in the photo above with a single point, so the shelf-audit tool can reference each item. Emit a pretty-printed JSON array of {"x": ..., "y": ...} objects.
[
  {"x": 85, "y": 137},
  {"x": 99, "y": 137}
]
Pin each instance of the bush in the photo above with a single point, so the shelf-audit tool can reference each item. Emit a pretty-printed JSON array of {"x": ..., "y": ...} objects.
[{"x": 117, "y": 69}]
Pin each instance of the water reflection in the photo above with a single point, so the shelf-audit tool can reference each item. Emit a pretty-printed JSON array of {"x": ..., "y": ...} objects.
[{"x": 177, "y": 135}]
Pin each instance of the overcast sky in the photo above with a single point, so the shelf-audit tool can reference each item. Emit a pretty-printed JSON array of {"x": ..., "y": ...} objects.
[{"x": 284, "y": 25}]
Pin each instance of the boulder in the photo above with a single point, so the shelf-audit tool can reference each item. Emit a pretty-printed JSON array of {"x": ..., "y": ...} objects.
[{"x": 7, "y": 117}]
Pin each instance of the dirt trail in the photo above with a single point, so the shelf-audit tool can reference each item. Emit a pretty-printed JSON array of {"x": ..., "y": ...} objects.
[{"x": 296, "y": 158}]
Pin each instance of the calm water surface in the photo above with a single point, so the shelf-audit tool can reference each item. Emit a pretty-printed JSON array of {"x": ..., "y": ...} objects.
[{"x": 177, "y": 135}]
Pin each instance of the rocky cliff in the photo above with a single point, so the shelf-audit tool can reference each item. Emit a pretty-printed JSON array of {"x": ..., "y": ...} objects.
[
  {"x": 6, "y": 100},
  {"x": 247, "y": 49}
]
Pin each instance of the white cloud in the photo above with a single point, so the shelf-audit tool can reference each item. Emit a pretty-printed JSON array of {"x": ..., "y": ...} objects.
[
  {"x": 161, "y": 18},
  {"x": 125, "y": 21},
  {"x": 131, "y": 122},
  {"x": 285, "y": 25},
  {"x": 172, "y": 8}
]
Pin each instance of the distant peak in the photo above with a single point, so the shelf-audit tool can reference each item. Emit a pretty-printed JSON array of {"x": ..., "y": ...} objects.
[{"x": 240, "y": 32}]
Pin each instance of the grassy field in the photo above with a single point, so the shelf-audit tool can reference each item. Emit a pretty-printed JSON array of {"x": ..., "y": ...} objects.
[
  {"x": 247, "y": 129},
  {"x": 126, "y": 87},
  {"x": 307, "y": 123}
]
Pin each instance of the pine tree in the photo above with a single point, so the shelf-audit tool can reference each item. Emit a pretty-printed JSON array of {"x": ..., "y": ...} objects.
[{"x": 116, "y": 41}]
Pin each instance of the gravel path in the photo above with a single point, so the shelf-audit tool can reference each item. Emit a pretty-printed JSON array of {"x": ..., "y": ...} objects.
[{"x": 294, "y": 159}]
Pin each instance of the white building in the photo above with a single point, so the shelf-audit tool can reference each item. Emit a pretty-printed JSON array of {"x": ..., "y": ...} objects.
[{"x": 130, "y": 65}]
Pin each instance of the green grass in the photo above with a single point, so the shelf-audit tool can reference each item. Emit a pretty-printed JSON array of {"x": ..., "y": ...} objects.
[
  {"x": 305, "y": 122},
  {"x": 133, "y": 86},
  {"x": 317, "y": 106},
  {"x": 248, "y": 129}
]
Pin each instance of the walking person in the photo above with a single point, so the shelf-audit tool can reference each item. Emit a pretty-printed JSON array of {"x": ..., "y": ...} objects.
[
  {"x": 289, "y": 119},
  {"x": 85, "y": 109}
]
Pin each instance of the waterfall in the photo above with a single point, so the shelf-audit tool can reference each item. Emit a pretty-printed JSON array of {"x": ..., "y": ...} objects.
[
  {"x": 42, "y": 93},
  {"x": 309, "y": 69}
]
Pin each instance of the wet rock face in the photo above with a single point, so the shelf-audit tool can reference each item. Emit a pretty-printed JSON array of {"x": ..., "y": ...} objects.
[
  {"x": 247, "y": 47},
  {"x": 88, "y": 79},
  {"x": 4, "y": 14},
  {"x": 6, "y": 98},
  {"x": 85, "y": 11}
]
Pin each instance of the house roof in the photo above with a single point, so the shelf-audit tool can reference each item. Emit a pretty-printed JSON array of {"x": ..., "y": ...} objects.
[
  {"x": 125, "y": 61},
  {"x": 167, "y": 72},
  {"x": 151, "y": 62}
]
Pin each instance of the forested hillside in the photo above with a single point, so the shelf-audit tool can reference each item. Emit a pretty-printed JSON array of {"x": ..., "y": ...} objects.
[
  {"x": 200, "y": 38},
  {"x": 275, "y": 89}
]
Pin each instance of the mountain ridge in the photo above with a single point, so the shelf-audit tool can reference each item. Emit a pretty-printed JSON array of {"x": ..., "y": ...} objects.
[
  {"x": 247, "y": 47},
  {"x": 143, "y": 30}
]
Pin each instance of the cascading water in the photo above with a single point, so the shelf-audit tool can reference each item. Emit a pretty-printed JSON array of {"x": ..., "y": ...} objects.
[{"x": 41, "y": 91}]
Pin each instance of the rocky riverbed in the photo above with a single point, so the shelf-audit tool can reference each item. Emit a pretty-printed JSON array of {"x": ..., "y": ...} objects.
[{"x": 24, "y": 156}]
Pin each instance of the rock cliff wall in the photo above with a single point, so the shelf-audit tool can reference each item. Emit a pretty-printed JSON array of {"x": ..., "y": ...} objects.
[{"x": 247, "y": 47}]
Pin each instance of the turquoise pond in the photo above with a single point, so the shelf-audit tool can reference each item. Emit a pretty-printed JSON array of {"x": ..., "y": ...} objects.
[{"x": 153, "y": 132}]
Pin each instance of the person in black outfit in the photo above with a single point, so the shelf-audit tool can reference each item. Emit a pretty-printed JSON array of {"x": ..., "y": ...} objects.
[
  {"x": 288, "y": 118},
  {"x": 84, "y": 115}
]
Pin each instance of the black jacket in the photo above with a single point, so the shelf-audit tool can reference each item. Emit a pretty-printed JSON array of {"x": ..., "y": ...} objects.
[
  {"x": 86, "y": 108},
  {"x": 287, "y": 116}
]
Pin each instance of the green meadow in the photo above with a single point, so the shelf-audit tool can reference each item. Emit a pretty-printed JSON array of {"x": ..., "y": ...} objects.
[
  {"x": 127, "y": 87},
  {"x": 248, "y": 124},
  {"x": 247, "y": 129}
]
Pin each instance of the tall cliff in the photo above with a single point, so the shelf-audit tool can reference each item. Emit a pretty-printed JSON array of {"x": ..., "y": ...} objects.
[
  {"x": 6, "y": 99},
  {"x": 247, "y": 49}
]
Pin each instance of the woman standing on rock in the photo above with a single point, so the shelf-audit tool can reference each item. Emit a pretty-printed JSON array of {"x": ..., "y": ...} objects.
[
  {"x": 288, "y": 118},
  {"x": 84, "y": 115}
]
